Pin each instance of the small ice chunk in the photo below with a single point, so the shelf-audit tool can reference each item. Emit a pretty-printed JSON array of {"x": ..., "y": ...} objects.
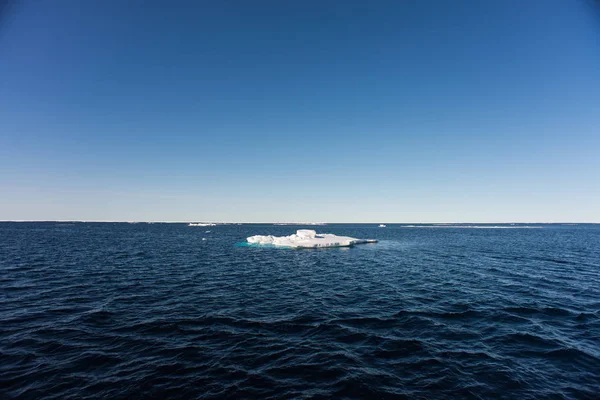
[{"x": 307, "y": 238}]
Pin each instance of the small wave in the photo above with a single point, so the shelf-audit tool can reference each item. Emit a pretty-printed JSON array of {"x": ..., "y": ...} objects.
[
  {"x": 543, "y": 311},
  {"x": 461, "y": 315},
  {"x": 399, "y": 348},
  {"x": 99, "y": 359},
  {"x": 368, "y": 322},
  {"x": 572, "y": 355},
  {"x": 532, "y": 342},
  {"x": 96, "y": 317}
]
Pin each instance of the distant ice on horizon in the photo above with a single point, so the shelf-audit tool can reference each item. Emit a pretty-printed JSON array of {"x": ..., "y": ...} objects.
[
  {"x": 472, "y": 226},
  {"x": 301, "y": 223}
]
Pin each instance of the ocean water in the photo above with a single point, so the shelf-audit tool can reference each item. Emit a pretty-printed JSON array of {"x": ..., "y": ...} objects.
[{"x": 131, "y": 311}]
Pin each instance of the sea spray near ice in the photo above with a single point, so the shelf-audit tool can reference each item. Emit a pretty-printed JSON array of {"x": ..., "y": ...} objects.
[{"x": 307, "y": 239}]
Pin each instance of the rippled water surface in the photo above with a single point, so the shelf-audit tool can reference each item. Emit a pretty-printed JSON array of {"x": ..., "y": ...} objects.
[{"x": 117, "y": 310}]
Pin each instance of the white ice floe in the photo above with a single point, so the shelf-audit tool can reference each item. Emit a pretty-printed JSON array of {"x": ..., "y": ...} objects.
[
  {"x": 306, "y": 239},
  {"x": 382, "y": 225},
  {"x": 202, "y": 224}
]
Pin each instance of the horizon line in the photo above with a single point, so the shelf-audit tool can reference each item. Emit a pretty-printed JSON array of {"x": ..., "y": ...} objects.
[{"x": 293, "y": 222}]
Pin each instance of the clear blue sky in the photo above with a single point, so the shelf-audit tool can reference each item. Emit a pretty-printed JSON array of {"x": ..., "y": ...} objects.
[{"x": 399, "y": 111}]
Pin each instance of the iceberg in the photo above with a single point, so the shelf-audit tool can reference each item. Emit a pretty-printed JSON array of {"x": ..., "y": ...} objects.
[
  {"x": 307, "y": 239},
  {"x": 202, "y": 224}
]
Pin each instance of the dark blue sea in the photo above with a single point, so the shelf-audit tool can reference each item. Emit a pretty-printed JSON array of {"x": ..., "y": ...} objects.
[{"x": 136, "y": 311}]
